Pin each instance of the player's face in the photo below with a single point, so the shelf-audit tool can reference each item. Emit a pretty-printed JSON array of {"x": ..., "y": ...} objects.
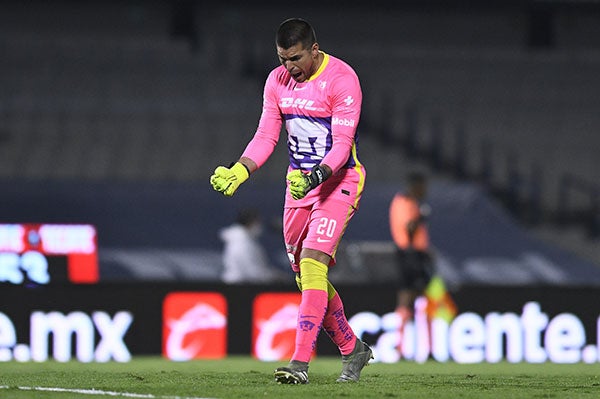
[{"x": 300, "y": 62}]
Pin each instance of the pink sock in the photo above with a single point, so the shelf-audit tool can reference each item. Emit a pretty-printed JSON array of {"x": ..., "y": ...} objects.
[
  {"x": 337, "y": 327},
  {"x": 310, "y": 319}
]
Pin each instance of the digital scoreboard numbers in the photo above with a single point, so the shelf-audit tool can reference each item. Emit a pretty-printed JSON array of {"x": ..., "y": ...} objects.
[{"x": 43, "y": 254}]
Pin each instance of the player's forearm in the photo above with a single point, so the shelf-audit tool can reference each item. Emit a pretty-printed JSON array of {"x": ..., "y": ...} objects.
[
  {"x": 339, "y": 154},
  {"x": 259, "y": 149}
]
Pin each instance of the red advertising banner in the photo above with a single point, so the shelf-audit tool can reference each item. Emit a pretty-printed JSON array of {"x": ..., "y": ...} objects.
[
  {"x": 194, "y": 326},
  {"x": 274, "y": 325},
  {"x": 40, "y": 254}
]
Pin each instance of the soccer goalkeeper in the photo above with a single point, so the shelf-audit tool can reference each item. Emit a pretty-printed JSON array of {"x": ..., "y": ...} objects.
[{"x": 319, "y": 98}]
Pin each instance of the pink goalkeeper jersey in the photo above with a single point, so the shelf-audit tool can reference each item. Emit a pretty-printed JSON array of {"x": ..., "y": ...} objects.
[{"x": 321, "y": 116}]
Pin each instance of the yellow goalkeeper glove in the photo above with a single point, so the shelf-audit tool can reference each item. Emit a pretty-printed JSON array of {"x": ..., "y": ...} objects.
[
  {"x": 302, "y": 183},
  {"x": 227, "y": 180}
]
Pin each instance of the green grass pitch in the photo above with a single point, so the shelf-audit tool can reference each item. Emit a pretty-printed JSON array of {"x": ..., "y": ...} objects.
[{"x": 244, "y": 377}]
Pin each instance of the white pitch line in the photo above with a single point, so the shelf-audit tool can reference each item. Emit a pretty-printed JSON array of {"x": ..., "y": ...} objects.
[{"x": 100, "y": 392}]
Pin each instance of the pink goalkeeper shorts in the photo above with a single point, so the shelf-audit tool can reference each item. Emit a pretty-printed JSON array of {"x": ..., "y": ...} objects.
[{"x": 319, "y": 227}]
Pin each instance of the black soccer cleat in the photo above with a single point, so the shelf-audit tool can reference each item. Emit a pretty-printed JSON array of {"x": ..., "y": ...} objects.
[{"x": 294, "y": 373}]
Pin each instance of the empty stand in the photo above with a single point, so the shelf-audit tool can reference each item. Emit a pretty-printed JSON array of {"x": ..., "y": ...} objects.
[{"x": 100, "y": 90}]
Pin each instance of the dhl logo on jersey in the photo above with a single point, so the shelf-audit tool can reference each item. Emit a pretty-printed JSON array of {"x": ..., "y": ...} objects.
[{"x": 299, "y": 103}]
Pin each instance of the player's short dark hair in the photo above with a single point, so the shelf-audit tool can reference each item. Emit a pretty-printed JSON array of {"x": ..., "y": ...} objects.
[
  {"x": 414, "y": 178},
  {"x": 293, "y": 31}
]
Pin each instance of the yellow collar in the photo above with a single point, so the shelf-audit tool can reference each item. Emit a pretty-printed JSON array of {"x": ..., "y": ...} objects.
[{"x": 321, "y": 67}]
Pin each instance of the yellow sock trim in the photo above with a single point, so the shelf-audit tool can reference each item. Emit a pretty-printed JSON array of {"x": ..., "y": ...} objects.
[
  {"x": 330, "y": 288},
  {"x": 330, "y": 291},
  {"x": 298, "y": 282},
  {"x": 313, "y": 275}
]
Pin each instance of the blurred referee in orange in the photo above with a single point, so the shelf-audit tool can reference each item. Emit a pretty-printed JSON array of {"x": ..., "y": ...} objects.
[{"x": 408, "y": 215}]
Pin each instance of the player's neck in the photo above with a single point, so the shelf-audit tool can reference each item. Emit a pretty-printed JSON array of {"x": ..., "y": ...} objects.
[{"x": 318, "y": 65}]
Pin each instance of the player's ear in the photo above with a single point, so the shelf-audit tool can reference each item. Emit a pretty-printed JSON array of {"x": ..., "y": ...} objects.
[{"x": 314, "y": 50}]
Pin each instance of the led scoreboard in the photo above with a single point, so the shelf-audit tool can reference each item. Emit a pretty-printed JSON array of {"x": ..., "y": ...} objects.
[{"x": 43, "y": 254}]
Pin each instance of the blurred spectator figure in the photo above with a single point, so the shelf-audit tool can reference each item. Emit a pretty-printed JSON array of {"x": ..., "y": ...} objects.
[
  {"x": 244, "y": 258},
  {"x": 408, "y": 227}
]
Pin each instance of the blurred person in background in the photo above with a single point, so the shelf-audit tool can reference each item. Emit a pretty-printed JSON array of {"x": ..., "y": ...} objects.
[
  {"x": 408, "y": 227},
  {"x": 319, "y": 98},
  {"x": 244, "y": 258}
]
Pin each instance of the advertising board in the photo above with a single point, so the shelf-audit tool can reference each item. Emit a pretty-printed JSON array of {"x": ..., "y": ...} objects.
[{"x": 113, "y": 322}]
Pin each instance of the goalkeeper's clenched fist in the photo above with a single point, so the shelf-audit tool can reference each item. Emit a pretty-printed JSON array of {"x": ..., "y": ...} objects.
[
  {"x": 302, "y": 183},
  {"x": 227, "y": 180}
]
